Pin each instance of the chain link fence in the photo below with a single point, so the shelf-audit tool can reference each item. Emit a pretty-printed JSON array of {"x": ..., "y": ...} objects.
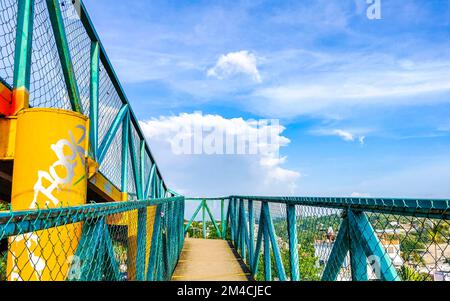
[
  {"x": 8, "y": 21},
  {"x": 342, "y": 239},
  {"x": 95, "y": 242}
]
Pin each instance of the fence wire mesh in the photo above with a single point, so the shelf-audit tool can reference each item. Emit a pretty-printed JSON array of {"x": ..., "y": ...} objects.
[
  {"x": 195, "y": 218},
  {"x": 111, "y": 166},
  {"x": 346, "y": 244},
  {"x": 93, "y": 242},
  {"x": 8, "y": 21},
  {"x": 109, "y": 103},
  {"x": 80, "y": 49},
  {"x": 47, "y": 85}
]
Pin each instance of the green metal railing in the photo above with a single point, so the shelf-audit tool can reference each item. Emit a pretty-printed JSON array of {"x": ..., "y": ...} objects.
[
  {"x": 218, "y": 226},
  {"x": 101, "y": 251},
  {"x": 51, "y": 49},
  {"x": 360, "y": 239}
]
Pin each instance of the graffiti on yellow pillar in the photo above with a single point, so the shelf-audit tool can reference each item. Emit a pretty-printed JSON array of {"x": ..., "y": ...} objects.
[
  {"x": 49, "y": 172},
  {"x": 67, "y": 162}
]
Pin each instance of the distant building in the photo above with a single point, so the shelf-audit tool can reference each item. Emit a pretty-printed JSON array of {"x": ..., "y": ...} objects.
[
  {"x": 323, "y": 248},
  {"x": 322, "y": 251},
  {"x": 392, "y": 248},
  {"x": 442, "y": 274}
]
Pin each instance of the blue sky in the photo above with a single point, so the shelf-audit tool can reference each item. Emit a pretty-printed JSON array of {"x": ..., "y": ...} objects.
[{"x": 365, "y": 103}]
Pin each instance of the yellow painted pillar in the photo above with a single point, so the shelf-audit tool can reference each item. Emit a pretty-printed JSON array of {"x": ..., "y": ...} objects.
[
  {"x": 132, "y": 239},
  {"x": 49, "y": 171},
  {"x": 151, "y": 211},
  {"x": 132, "y": 244}
]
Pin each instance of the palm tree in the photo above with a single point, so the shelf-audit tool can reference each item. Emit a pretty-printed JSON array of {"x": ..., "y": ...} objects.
[{"x": 409, "y": 274}]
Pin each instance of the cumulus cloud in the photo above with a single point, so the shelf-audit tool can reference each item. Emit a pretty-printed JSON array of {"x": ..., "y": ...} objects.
[
  {"x": 234, "y": 63},
  {"x": 259, "y": 142}
]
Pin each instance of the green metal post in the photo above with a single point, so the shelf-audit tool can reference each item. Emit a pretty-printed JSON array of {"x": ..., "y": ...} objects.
[
  {"x": 23, "y": 46},
  {"x": 94, "y": 98},
  {"x": 149, "y": 183},
  {"x": 193, "y": 217},
  {"x": 135, "y": 165},
  {"x": 239, "y": 225},
  {"x": 141, "y": 244},
  {"x": 124, "y": 161},
  {"x": 358, "y": 258},
  {"x": 251, "y": 222},
  {"x": 142, "y": 167},
  {"x": 372, "y": 245},
  {"x": 110, "y": 265},
  {"x": 64, "y": 54},
  {"x": 152, "y": 260},
  {"x": 110, "y": 135},
  {"x": 90, "y": 244},
  {"x": 222, "y": 219},
  {"x": 275, "y": 248},
  {"x": 259, "y": 239},
  {"x": 211, "y": 217},
  {"x": 227, "y": 221},
  {"x": 267, "y": 259},
  {"x": 338, "y": 253},
  {"x": 242, "y": 226},
  {"x": 293, "y": 251},
  {"x": 232, "y": 220},
  {"x": 204, "y": 218}
]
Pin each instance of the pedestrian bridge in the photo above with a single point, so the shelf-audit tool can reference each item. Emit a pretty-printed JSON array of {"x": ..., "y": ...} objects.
[
  {"x": 209, "y": 260},
  {"x": 82, "y": 197}
]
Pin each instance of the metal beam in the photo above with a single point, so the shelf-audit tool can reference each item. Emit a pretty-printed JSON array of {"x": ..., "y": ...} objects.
[
  {"x": 273, "y": 239},
  {"x": 372, "y": 245},
  {"x": 22, "y": 55},
  {"x": 338, "y": 253},
  {"x": 110, "y": 135},
  {"x": 293, "y": 242},
  {"x": 94, "y": 98},
  {"x": 62, "y": 45}
]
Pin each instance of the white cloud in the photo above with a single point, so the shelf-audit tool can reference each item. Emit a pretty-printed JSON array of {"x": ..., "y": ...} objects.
[
  {"x": 342, "y": 84},
  {"x": 360, "y": 195},
  {"x": 346, "y": 135},
  {"x": 234, "y": 63},
  {"x": 265, "y": 166},
  {"x": 362, "y": 140}
]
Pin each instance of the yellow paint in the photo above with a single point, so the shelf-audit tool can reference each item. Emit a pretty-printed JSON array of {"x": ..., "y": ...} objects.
[
  {"x": 93, "y": 167},
  {"x": 151, "y": 211},
  {"x": 20, "y": 100},
  {"x": 132, "y": 239},
  {"x": 5, "y": 100},
  {"x": 49, "y": 170},
  {"x": 8, "y": 137},
  {"x": 132, "y": 217},
  {"x": 102, "y": 186}
]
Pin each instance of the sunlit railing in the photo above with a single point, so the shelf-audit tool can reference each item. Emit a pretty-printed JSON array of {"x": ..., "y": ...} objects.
[
  {"x": 302, "y": 238},
  {"x": 95, "y": 242},
  {"x": 50, "y": 49}
]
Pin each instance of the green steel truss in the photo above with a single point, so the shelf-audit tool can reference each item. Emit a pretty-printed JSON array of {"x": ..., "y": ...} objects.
[{"x": 356, "y": 238}]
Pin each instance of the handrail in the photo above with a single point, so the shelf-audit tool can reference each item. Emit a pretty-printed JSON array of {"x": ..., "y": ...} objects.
[
  {"x": 363, "y": 234},
  {"x": 105, "y": 228}
]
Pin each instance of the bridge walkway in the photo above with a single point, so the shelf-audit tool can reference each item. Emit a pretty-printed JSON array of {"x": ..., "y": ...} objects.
[{"x": 210, "y": 260}]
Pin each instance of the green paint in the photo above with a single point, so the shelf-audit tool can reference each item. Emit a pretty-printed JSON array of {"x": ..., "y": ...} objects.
[
  {"x": 94, "y": 98},
  {"x": 64, "y": 54},
  {"x": 24, "y": 42}
]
